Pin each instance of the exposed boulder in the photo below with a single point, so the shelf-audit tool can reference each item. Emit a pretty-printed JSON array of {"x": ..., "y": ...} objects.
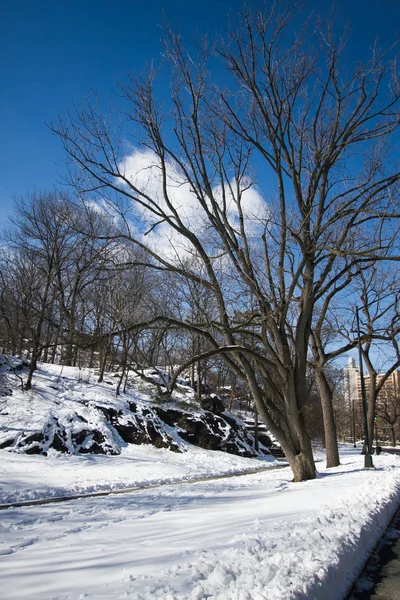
[
  {"x": 141, "y": 430},
  {"x": 212, "y": 403},
  {"x": 210, "y": 431}
]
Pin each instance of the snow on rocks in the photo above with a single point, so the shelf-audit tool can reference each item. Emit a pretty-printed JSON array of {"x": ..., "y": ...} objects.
[
  {"x": 70, "y": 412},
  {"x": 67, "y": 419}
]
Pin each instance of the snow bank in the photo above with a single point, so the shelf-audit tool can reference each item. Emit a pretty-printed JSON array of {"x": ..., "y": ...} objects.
[{"x": 315, "y": 557}]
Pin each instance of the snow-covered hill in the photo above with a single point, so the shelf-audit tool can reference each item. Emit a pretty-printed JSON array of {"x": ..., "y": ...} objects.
[{"x": 67, "y": 411}]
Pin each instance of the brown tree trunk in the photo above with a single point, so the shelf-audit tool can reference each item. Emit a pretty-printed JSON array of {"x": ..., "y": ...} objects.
[
  {"x": 371, "y": 398},
  {"x": 301, "y": 461},
  {"x": 256, "y": 444},
  {"x": 105, "y": 350},
  {"x": 103, "y": 364},
  {"x": 393, "y": 435},
  {"x": 332, "y": 450},
  {"x": 292, "y": 433},
  {"x": 32, "y": 369}
]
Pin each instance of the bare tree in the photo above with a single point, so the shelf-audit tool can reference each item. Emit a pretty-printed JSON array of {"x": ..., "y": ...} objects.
[
  {"x": 40, "y": 233},
  {"x": 380, "y": 315},
  {"x": 388, "y": 410},
  {"x": 52, "y": 258},
  {"x": 294, "y": 113}
]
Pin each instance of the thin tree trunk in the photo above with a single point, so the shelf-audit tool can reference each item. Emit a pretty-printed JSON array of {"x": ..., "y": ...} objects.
[
  {"x": 371, "y": 397},
  {"x": 256, "y": 444},
  {"x": 124, "y": 362},
  {"x": 331, "y": 445},
  {"x": 32, "y": 369}
]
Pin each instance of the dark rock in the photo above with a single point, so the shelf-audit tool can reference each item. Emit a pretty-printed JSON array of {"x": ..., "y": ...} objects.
[
  {"x": 79, "y": 437},
  {"x": 59, "y": 444},
  {"x": 130, "y": 432},
  {"x": 34, "y": 437},
  {"x": 94, "y": 442},
  {"x": 34, "y": 450},
  {"x": 233, "y": 423},
  {"x": 210, "y": 431},
  {"x": 6, "y": 444},
  {"x": 139, "y": 430},
  {"x": 200, "y": 432},
  {"x": 232, "y": 447},
  {"x": 213, "y": 404},
  {"x": 265, "y": 440},
  {"x": 111, "y": 414},
  {"x": 169, "y": 416}
]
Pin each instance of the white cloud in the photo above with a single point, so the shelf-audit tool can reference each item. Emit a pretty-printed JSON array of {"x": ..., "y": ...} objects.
[{"x": 143, "y": 170}]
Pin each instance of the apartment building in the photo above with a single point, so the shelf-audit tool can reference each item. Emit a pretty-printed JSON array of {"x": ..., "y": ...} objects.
[{"x": 353, "y": 395}]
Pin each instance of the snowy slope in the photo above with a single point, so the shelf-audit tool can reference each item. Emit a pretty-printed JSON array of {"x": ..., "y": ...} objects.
[
  {"x": 69, "y": 411},
  {"x": 48, "y": 436}
]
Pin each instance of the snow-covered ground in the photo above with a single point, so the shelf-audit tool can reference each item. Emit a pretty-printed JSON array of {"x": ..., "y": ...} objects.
[
  {"x": 24, "y": 477},
  {"x": 250, "y": 537},
  {"x": 254, "y": 537}
]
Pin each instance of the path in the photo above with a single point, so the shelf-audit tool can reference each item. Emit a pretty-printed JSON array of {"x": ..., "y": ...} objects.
[{"x": 128, "y": 490}]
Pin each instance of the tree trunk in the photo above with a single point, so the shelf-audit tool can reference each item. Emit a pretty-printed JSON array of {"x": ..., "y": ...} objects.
[
  {"x": 105, "y": 349},
  {"x": 68, "y": 353},
  {"x": 332, "y": 450},
  {"x": 292, "y": 433},
  {"x": 371, "y": 409},
  {"x": 393, "y": 435},
  {"x": 256, "y": 444},
  {"x": 123, "y": 365},
  {"x": 303, "y": 467},
  {"x": 103, "y": 364},
  {"x": 301, "y": 461},
  {"x": 32, "y": 369}
]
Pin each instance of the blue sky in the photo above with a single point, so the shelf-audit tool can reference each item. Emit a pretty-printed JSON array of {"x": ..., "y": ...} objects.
[{"x": 52, "y": 52}]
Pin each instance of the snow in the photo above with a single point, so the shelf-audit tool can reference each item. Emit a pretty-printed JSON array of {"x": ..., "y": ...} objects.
[
  {"x": 249, "y": 537},
  {"x": 252, "y": 537},
  {"x": 69, "y": 410},
  {"x": 26, "y": 477}
]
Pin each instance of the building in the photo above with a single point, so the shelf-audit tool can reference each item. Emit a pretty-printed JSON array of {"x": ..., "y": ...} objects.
[
  {"x": 353, "y": 396},
  {"x": 351, "y": 375}
]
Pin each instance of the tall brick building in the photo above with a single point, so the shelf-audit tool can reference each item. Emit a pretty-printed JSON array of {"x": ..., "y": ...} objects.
[{"x": 353, "y": 397}]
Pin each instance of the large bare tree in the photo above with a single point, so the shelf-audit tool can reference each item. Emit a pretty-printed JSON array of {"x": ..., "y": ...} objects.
[{"x": 265, "y": 192}]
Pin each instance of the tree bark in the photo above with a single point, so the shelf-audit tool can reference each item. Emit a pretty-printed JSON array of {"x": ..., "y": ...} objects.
[
  {"x": 332, "y": 450},
  {"x": 371, "y": 399},
  {"x": 393, "y": 435}
]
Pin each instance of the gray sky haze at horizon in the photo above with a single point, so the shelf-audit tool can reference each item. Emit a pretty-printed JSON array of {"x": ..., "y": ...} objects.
[{"x": 53, "y": 53}]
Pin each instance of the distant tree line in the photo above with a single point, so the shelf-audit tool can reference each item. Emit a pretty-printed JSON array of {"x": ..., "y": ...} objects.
[{"x": 69, "y": 295}]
